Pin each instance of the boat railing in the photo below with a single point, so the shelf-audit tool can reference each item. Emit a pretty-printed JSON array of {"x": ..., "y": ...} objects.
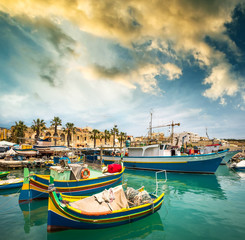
[{"x": 157, "y": 182}]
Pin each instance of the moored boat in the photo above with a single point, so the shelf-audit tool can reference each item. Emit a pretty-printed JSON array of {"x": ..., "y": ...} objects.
[
  {"x": 240, "y": 166},
  {"x": 11, "y": 183},
  {"x": 4, "y": 174},
  {"x": 92, "y": 212},
  {"x": 26, "y": 152},
  {"x": 164, "y": 157},
  {"x": 67, "y": 180},
  {"x": 46, "y": 147}
]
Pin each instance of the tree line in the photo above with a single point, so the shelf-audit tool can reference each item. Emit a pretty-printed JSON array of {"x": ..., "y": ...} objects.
[{"x": 19, "y": 129}]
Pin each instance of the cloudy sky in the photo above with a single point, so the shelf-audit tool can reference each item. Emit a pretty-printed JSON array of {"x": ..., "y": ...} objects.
[{"x": 103, "y": 62}]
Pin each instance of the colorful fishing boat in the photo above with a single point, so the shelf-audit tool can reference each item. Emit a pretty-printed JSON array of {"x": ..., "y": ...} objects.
[
  {"x": 35, "y": 186},
  {"x": 11, "y": 183},
  {"x": 164, "y": 157},
  {"x": 4, "y": 174},
  {"x": 68, "y": 212}
]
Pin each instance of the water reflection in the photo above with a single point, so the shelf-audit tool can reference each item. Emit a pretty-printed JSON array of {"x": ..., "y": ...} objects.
[
  {"x": 11, "y": 191},
  {"x": 136, "y": 230},
  {"x": 176, "y": 183},
  {"x": 35, "y": 214}
]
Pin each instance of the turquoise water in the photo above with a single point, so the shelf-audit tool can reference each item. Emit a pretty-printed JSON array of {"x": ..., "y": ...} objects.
[{"x": 195, "y": 207}]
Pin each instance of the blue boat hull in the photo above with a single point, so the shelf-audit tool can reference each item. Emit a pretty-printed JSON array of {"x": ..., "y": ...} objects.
[
  {"x": 239, "y": 168},
  {"x": 10, "y": 186}
]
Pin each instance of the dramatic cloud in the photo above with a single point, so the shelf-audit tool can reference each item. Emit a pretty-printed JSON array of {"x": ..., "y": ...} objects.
[
  {"x": 176, "y": 28},
  {"x": 89, "y": 58}
]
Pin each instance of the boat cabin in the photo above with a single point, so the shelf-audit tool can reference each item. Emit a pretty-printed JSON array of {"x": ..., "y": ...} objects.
[{"x": 154, "y": 151}]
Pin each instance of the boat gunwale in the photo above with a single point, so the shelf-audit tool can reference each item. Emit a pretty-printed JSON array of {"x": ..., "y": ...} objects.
[
  {"x": 46, "y": 177},
  {"x": 38, "y": 184}
]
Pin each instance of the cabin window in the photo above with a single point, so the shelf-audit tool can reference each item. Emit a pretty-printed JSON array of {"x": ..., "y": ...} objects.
[
  {"x": 161, "y": 146},
  {"x": 173, "y": 152},
  {"x": 167, "y": 147}
]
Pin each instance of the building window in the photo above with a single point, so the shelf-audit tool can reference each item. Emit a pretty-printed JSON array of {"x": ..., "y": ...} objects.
[
  {"x": 77, "y": 137},
  {"x": 85, "y": 139},
  {"x": 62, "y": 136}
]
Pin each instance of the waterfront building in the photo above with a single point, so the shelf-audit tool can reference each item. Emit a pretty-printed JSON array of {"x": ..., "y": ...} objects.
[
  {"x": 4, "y": 134},
  {"x": 186, "y": 138},
  {"x": 81, "y": 138}
]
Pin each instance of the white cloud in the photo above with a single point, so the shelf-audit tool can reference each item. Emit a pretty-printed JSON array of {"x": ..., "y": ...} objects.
[
  {"x": 222, "y": 101},
  {"x": 172, "y": 71},
  {"x": 222, "y": 82}
]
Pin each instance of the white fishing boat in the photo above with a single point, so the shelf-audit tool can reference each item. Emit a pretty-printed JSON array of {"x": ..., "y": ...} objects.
[{"x": 164, "y": 157}]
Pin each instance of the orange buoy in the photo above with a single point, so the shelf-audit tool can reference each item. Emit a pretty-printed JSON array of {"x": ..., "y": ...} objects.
[{"x": 85, "y": 173}]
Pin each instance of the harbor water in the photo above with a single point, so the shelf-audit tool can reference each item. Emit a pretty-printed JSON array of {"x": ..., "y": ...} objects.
[{"x": 195, "y": 207}]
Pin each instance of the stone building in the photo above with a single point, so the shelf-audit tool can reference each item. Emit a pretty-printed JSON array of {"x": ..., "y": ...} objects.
[{"x": 81, "y": 138}]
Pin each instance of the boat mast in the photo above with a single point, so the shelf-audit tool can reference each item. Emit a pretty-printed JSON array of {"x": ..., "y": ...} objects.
[
  {"x": 150, "y": 128},
  {"x": 207, "y": 133}
]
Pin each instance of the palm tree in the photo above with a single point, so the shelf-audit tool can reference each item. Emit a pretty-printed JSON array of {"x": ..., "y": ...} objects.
[
  {"x": 69, "y": 130},
  {"x": 106, "y": 135},
  {"x": 18, "y": 131},
  {"x": 114, "y": 132},
  {"x": 122, "y": 137},
  {"x": 95, "y": 135},
  {"x": 38, "y": 126},
  {"x": 55, "y": 123}
]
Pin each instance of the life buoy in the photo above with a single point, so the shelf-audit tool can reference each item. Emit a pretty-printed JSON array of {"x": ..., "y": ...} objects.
[{"x": 85, "y": 173}]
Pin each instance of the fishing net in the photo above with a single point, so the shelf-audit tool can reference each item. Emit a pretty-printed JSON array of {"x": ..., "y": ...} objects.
[{"x": 136, "y": 198}]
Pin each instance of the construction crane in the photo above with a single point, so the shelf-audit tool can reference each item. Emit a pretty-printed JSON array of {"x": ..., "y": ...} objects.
[{"x": 166, "y": 125}]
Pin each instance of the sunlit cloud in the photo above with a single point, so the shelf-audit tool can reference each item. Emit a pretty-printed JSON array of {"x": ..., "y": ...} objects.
[
  {"x": 172, "y": 71},
  {"x": 222, "y": 82}
]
